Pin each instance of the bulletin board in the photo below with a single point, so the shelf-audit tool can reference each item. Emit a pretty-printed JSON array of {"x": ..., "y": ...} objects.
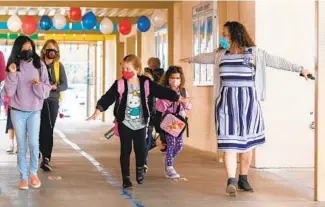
[{"x": 204, "y": 26}]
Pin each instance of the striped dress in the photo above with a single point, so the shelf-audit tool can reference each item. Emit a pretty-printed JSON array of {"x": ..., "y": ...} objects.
[{"x": 239, "y": 120}]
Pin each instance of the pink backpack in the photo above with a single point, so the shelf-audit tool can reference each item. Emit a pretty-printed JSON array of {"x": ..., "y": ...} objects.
[{"x": 121, "y": 89}]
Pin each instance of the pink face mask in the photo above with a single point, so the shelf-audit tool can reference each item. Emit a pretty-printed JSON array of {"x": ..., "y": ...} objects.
[
  {"x": 127, "y": 75},
  {"x": 175, "y": 82}
]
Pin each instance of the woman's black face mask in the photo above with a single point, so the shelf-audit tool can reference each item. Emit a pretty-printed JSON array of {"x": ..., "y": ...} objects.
[
  {"x": 51, "y": 53},
  {"x": 26, "y": 55}
]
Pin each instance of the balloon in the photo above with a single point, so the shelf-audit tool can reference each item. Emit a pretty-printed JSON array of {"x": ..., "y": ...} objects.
[
  {"x": 46, "y": 23},
  {"x": 143, "y": 24},
  {"x": 29, "y": 25},
  {"x": 75, "y": 14},
  {"x": 14, "y": 23},
  {"x": 125, "y": 27},
  {"x": 89, "y": 20},
  {"x": 159, "y": 18},
  {"x": 59, "y": 21},
  {"x": 106, "y": 26}
]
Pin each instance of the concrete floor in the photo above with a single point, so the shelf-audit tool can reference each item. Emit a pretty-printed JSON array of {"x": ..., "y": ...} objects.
[{"x": 88, "y": 166}]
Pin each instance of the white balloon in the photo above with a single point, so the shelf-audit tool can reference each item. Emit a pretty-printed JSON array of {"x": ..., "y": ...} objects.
[
  {"x": 59, "y": 21},
  {"x": 159, "y": 18},
  {"x": 106, "y": 26},
  {"x": 14, "y": 23}
]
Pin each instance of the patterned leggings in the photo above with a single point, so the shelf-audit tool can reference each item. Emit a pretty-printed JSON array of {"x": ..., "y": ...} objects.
[{"x": 174, "y": 146}]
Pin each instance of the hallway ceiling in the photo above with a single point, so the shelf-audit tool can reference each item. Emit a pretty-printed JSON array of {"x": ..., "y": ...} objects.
[{"x": 99, "y": 12}]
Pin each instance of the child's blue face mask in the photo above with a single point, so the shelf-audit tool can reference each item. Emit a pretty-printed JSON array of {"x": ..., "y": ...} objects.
[{"x": 224, "y": 43}]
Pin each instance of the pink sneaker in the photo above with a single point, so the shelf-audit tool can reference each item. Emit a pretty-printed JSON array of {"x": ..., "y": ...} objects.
[
  {"x": 23, "y": 185},
  {"x": 34, "y": 181}
]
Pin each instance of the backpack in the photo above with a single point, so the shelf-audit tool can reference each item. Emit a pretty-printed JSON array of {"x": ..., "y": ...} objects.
[
  {"x": 121, "y": 89},
  {"x": 183, "y": 93},
  {"x": 56, "y": 65},
  {"x": 160, "y": 116}
]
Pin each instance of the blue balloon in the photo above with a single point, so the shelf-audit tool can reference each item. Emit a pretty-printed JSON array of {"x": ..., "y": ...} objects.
[
  {"x": 89, "y": 20},
  {"x": 46, "y": 23},
  {"x": 143, "y": 24}
]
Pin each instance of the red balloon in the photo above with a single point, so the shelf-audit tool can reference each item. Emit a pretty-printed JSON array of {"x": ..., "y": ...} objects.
[
  {"x": 29, "y": 25},
  {"x": 75, "y": 14},
  {"x": 125, "y": 27}
]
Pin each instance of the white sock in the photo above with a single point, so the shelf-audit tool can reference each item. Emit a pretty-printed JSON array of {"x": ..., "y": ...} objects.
[
  {"x": 11, "y": 142},
  {"x": 169, "y": 168}
]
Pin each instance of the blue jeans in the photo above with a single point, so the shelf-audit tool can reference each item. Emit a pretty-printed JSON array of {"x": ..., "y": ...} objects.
[
  {"x": 27, "y": 123},
  {"x": 149, "y": 142}
]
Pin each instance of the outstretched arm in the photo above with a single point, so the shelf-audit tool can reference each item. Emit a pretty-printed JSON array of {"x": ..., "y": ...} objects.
[
  {"x": 108, "y": 98},
  {"x": 205, "y": 58},
  {"x": 280, "y": 63}
]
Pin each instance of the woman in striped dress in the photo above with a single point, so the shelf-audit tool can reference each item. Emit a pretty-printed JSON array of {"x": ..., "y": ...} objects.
[{"x": 240, "y": 85}]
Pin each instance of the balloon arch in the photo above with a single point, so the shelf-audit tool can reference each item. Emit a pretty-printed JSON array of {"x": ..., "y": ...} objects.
[{"x": 29, "y": 25}]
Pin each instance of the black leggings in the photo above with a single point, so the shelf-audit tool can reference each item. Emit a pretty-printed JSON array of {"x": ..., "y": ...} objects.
[
  {"x": 139, "y": 145},
  {"x": 48, "y": 118}
]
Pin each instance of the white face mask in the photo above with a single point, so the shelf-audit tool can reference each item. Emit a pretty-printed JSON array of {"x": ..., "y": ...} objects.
[{"x": 175, "y": 82}]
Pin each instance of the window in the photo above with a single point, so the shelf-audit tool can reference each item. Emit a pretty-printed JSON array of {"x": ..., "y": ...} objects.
[
  {"x": 204, "y": 20},
  {"x": 161, "y": 44}
]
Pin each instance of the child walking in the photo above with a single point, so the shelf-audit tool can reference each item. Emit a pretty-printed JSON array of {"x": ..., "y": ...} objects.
[
  {"x": 175, "y": 80},
  {"x": 132, "y": 114},
  {"x": 27, "y": 86},
  {"x": 9, "y": 127}
]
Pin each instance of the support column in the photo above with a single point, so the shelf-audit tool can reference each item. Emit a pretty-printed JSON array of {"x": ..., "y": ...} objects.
[
  {"x": 104, "y": 74},
  {"x": 319, "y": 182},
  {"x": 139, "y": 44},
  {"x": 95, "y": 73},
  {"x": 171, "y": 35}
]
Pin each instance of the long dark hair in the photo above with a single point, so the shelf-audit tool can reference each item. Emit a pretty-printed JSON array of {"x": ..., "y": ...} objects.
[
  {"x": 164, "y": 81},
  {"x": 16, "y": 49},
  {"x": 239, "y": 34}
]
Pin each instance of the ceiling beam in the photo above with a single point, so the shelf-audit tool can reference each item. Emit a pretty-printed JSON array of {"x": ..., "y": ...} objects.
[
  {"x": 91, "y": 4},
  {"x": 115, "y": 20}
]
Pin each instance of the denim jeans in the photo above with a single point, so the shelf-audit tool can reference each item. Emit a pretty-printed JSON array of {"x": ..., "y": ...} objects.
[
  {"x": 149, "y": 142},
  {"x": 27, "y": 123}
]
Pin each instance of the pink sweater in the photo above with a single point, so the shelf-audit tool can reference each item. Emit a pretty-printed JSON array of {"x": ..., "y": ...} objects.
[
  {"x": 6, "y": 103},
  {"x": 2, "y": 67},
  {"x": 163, "y": 105}
]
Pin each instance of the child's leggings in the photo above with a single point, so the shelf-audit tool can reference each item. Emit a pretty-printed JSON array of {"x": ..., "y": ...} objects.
[{"x": 174, "y": 146}]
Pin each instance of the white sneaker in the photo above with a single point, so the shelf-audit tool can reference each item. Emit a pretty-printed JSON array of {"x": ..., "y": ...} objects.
[
  {"x": 171, "y": 173},
  {"x": 10, "y": 148}
]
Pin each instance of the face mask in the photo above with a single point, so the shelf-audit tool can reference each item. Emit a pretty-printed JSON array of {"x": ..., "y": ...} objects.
[
  {"x": 224, "y": 43},
  {"x": 50, "y": 53},
  {"x": 127, "y": 75},
  {"x": 26, "y": 55},
  {"x": 174, "y": 82}
]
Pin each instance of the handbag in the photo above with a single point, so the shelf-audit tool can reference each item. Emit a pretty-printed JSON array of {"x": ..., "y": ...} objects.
[{"x": 173, "y": 123}]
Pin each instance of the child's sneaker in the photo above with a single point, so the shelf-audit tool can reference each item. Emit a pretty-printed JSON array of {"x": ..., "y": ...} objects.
[
  {"x": 11, "y": 149},
  {"x": 23, "y": 185},
  {"x": 34, "y": 181},
  {"x": 171, "y": 173},
  {"x": 145, "y": 169},
  {"x": 140, "y": 175},
  {"x": 163, "y": 148},
  {"x": 127, "y": 182}
]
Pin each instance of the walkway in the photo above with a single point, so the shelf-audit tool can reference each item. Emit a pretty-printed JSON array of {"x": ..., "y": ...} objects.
[{"x": 86, "y": 173}]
